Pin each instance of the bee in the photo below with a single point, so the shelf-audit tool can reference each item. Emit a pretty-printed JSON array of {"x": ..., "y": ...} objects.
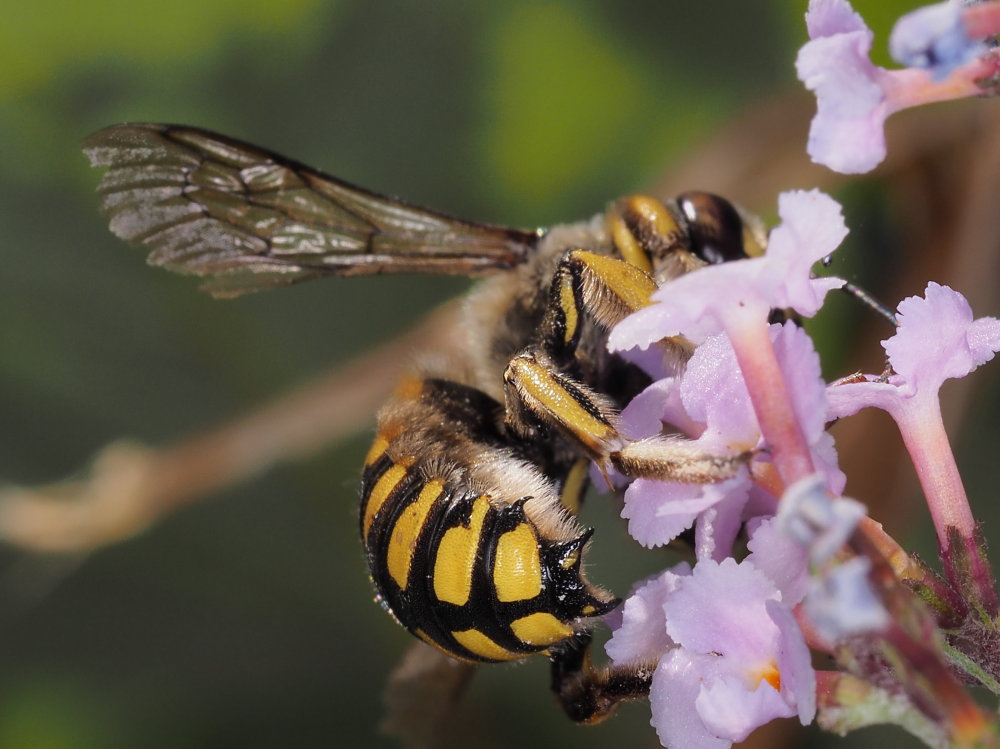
[{"x": 470, "y": 491}]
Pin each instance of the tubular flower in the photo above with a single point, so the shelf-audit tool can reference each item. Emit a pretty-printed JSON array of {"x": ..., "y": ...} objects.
[{"x": 855, "y": 96}]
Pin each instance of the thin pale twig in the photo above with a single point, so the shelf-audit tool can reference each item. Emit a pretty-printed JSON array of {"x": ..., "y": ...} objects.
[{"x": 131, "y": 486}]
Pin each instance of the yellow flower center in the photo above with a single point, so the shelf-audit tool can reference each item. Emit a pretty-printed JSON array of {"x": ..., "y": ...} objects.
[{"x": 768, "y": 672}]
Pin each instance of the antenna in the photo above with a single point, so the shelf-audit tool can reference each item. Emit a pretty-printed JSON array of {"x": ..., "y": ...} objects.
[{"x": 869, "y": 301}]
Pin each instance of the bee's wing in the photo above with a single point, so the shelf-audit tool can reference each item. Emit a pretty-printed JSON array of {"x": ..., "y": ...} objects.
[
  {"x": 421, "y": 694},
  {"x": 209, "y": 205}
]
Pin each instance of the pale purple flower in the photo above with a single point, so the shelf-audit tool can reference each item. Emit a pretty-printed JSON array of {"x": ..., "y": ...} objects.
[
  {"x": 641, "y": 636},
  {"x": 740, "y": 660},
  {"x": 854, "y": 96},
  {"x": 846, "y": 134},
  {"x": 712, "y": 394},
  {"x": 800, "y": 367},
  {"x": 839, "y": 600},
  {"x": 645, "y": 414},
  {"x": 934, "y": 37},
  {"x": 937, "y": 339},
  {"x": 709, "y": 402},
  {"x": 736, "y": 298},
  {"x": 821, "y": 524},
  {"x": 711, "y": 398},
  {"x": 659, "y": 511},
  {"x": 780, "y": 557},
  {"x": 841, "y": 603}
]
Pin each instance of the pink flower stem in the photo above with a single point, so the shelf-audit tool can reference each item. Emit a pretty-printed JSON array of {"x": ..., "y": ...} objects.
[
  {"x": 751, "y": 340},
  {"x": 902, "y": 564},
  {"x": 924, "y": 435},
  {"x": 911, "y": 87},
  {"x": 982, "y": 20},
  {"x": 923, "y": 432}
]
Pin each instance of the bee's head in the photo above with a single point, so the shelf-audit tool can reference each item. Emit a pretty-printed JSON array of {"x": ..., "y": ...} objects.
[{"x": 668, "y": 239}]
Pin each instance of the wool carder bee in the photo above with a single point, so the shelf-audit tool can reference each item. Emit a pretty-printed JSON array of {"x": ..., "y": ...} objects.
[{"x": 470, "y": 491}]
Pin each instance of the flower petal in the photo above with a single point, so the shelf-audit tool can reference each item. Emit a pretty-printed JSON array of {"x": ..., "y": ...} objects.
[
  {"x": 672, "y": 696},
  {"x": 642, "y": 635},
  {"x": 781, "y": 559},
  {"x": 937, "y": 338},
  {"x": 842, "y": 603},
  {"x": 720, "y": 609},
  {"x": 829, "y": 17},
  {"x": 798, "y": 678},
  {"x": 731, "y": 711},
  {"x": 933, "y": 37},
  {"x": 713, "y": 393},
  {"x": 659, "y": 511},
  {"x": 846, "y": 134},
  {"x": 812, "y": 227}
]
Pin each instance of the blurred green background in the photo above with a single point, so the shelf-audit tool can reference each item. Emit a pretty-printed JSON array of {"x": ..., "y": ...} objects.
[{"x": 248, "y": 620}]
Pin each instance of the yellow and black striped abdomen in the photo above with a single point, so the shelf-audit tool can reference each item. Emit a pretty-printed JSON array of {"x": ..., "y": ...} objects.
[{"x": 467, "y": 572}]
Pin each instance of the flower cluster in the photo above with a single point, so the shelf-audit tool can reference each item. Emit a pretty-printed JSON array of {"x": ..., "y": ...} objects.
[
  {"x": 943, "y": 45},
  {"x": 782, "y": 563},
  {"x": 725, "y": 633}
]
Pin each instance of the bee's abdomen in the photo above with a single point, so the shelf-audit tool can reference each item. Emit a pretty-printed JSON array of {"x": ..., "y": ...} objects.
[{"x": 467, "y": 572}]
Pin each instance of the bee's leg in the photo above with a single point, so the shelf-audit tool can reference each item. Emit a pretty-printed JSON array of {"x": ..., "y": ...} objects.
[
  {"x": 542, "y": 389},
  {"x": 587, "y": 284},
  {"x": 538, "y": 393},
  {"x": 540, "y": 383},
  {"x": 573, "y": 486},
  {"x": 540, "y": 396},
  {"x": 589, "y": 694}
]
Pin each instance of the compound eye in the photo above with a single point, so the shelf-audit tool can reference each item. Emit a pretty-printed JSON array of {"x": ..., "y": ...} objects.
[{"x": 715, "y": 227}]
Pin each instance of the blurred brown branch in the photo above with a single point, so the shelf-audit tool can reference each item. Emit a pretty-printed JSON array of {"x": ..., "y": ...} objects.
[{"x": 130, "y": 486}]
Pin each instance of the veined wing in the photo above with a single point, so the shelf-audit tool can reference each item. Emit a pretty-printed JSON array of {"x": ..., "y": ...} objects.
[{"x": 209, "y": 205}]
